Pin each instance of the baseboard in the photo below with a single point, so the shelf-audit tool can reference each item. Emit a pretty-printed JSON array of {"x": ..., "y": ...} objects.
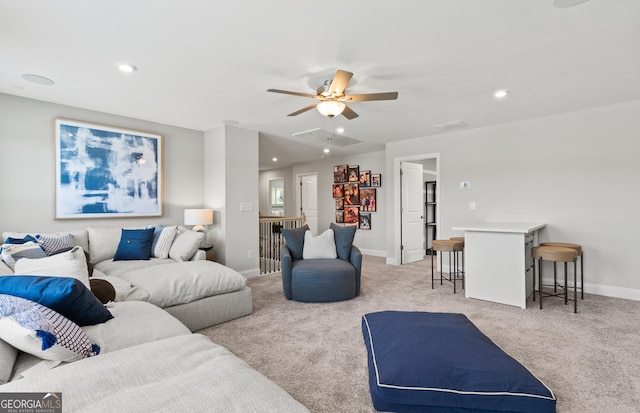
[
  {"x": 254, "y": 272},
  {"x": 375, "y": 253},
  {"x": 392, "y": 261},
  {"x": 605, "y": 290}
]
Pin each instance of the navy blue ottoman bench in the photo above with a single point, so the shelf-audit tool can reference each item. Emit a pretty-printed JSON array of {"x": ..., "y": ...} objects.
[{"x": 441, "y": 362}]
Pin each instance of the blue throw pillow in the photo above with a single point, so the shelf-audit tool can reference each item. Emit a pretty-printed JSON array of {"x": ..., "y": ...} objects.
[
  {"x": 135, "y": 244},
  {"x": 27, "y": 238},
  {"x": 67, "y": 296},
  {"x": 344, "y": 239},
  {"x": 295, "y": 240}
]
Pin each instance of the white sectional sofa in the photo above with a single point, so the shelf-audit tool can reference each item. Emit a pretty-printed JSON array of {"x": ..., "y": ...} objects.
[
  {"x": 198, "y": 292},
  {"x": 150, "y": 362}
]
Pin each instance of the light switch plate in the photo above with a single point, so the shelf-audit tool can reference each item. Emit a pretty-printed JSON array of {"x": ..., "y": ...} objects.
[{"x": 246, "y": 206}]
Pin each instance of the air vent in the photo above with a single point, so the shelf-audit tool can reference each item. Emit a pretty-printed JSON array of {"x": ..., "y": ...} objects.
[{"x": 456, "y": 124}]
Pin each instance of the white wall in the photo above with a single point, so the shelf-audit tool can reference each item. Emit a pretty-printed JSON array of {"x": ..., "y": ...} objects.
[
  {"x": 289, "y": 194},
  {"x": 372, "y": 241},
  {"x": 27, "y": 198},
  {"x": 231, "y": 179},
  {"x": 578, "y": 172}
]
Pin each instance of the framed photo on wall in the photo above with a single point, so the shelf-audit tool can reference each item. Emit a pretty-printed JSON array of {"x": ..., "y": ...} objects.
[
  {"x": 376, "y": 180},
  {"x": 354, "y": 173},
  {"x": 368, "y": 199},
  {"x": 340, "y": 173},
  {"x": 365, "y": 179},
  {"x": 107, "y": 172},
  {"x": 338, "y": 190},
  {"x": 365, "y": 220},
  {"x": 339, "y": 217},
  {"x": 351, "y": 194},
  {"x": 339, "y": 203},
  {"x": 351, "y": 215}
]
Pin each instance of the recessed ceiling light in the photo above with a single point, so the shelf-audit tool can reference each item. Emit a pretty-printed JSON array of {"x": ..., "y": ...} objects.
[
  {"x": 326, "y": 150},
  {"x": 127, "y": 68},
  {"x": 41, "y": 80},
  {"x": 500, "y": 94},
  {"x": 274, "y": 159},
  {"x": 340, "y": 130}
]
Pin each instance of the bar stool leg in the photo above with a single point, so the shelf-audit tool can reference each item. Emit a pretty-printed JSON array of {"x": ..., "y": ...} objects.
[
  {"x": 432, "y": 270},
  {"x": 565, "y": 284},
  {"x": 454, "y": 269},
  {"x": 555, "y": 277},
  {"x": 540, "y": 280},
  {"x": 582, "y": 276},
  {"x": 440, "y": 261},
  {"x": 575, "y": 286},
  {"x": 534, "y": 280}
]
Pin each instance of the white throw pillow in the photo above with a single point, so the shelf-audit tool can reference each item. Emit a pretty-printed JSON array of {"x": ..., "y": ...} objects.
[
  {"x": 72, "y": 263},
  {"x": 186, "y": 244},
  {"x": 319, "y": 246},
  {"x": 162, "y": 245},
  {"x": 103, "y": 243}
]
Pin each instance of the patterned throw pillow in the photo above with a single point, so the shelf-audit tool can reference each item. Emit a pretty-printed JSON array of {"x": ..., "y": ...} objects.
[
  {"x": 38, "y": 330},
  {"x": 55, "y": 245},
  {"x": 13, "y": 252},
  {"x": 163, "y": 237}
]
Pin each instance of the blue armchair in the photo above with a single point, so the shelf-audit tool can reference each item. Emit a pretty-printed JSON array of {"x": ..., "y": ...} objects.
[{"x": 321, "y": 280}]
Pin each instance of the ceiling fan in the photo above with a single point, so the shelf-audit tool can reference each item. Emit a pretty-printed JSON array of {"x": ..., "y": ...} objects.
[{"x": 332, "y": 97}]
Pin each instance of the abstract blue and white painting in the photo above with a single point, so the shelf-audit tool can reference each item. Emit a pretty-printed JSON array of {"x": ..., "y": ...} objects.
[{"x": 105, "y": 172}]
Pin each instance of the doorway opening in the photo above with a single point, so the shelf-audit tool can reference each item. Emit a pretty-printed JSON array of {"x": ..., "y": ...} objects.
[
  {"x": 415, "y": 211},
  {"x": 307, "y": 199}
]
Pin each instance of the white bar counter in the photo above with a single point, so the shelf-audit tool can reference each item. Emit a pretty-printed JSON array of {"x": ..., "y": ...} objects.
[{"x": 498, "y": 263}]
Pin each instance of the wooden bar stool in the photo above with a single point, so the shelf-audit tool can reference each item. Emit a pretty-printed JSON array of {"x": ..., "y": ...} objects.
[
  {"x": 555, "y": 255},
  {"x": 449, "y": 246},
  {"x": 580, "y": 252},
  {"x": 460, "y": 239}
]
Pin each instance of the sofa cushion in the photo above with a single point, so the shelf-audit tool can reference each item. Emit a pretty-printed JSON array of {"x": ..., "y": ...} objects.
[
  {"x": 124, "y": 290},
  {"x": 38, "y": 330},
  {"x": 8, "y": 355},
  {"x": 295, "y": 240},
  {"x": 68, "y": 296},
  {"x": 72, "y": 263},
  {"x": 185, "y": 244},
  {"x": 55, "y": 245},
  {"x": 162, "y": 239},
  {"x": 135, "y": 244},
  {"x": 103, "y": 243},
  {"x": 111, "y": 267},
  {"x": 321, "y": 246},
  {"x": 5, "y": 269},
  {"x": 134, "y": 322},
  {"x": 344, "y": 239},
  {"x": 14, "y": 252},
  {"x": 184, "y": 282}
]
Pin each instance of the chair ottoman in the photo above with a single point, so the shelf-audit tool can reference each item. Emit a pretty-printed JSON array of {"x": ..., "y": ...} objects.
[{"x": 441, "y": 362}]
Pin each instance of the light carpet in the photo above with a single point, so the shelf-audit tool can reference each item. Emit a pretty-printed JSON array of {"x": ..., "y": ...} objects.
[{"x": 591, "y": 360}]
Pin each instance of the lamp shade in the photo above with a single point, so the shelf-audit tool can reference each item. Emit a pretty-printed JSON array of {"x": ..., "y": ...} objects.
[
  {"x": 198, "y": 217},
  {"x": 330, "y": 108}
]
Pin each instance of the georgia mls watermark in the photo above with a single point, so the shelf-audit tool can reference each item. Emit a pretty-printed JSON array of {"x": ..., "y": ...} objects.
[{"x": 30, "y": 402}]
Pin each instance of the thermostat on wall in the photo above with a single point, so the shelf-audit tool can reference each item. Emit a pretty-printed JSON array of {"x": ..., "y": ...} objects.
[{"x": 465, "y": 185}]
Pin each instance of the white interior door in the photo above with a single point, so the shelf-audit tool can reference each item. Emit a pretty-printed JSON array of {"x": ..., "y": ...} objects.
[
  {"x": 412, "y": 215},
  {"x": 308, "y": 199}
]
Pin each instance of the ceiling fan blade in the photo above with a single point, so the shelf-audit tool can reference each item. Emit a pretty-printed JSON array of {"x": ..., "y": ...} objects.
[
  {"x": 286, "y": 92},
  {"x": 370, "y": 96},
  {"x": 297, "y": 112},
  {"x": 339, "y": 82},
  {"x": 349, "y": 113}
]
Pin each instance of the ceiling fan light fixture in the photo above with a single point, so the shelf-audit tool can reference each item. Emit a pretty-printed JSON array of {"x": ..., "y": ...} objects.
[{"x": 330, "y": 108}]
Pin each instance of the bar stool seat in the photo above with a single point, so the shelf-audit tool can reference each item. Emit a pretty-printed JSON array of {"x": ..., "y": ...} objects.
[
  {"x": 460, "y": 239},
  {"x": 580, "y": 252},
  {"x": 555, "y": 255},
  {"x": 445, "y": 245}
]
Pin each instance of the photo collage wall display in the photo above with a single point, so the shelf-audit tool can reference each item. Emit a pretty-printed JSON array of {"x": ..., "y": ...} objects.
[{"x": 354, "y": 193}]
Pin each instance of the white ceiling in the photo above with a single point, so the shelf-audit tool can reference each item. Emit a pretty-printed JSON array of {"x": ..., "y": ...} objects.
[{"x": 202, "y": 62}]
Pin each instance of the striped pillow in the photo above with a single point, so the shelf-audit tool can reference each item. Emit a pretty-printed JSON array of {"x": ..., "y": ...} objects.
[
  {"x": 55, "y": 245},
  {"x": 38, "y": 330}
]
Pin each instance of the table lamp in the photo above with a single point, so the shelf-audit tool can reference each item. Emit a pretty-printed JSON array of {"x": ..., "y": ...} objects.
[{"x": 198, "y": 218}]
